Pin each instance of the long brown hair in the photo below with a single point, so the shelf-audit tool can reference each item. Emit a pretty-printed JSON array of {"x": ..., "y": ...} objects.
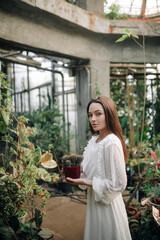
[{"x": 112, "y": 120}]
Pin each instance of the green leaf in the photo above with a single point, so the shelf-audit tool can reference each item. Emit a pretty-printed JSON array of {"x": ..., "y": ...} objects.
[
  {"x": 7, "y": 96},
  {"x": 43, "y": 174},
  {"x": 121, "y": 39},
  {"x": 130, "y": 188},
  {"x": 45, "y": 234},
  {"x": 23, "y": 119},
  {"x": 127, "y": 30},
  {"x": 10, "y": 89},
  {"x": 1, "y": 222},
  {"x": 135, "y": 36},
  {"x": 14, "y": 223},
  {"x": 2, "y": 127},
  {"x": 26, "y": 227},
  {"x": 149, "y": 172},
  {"x": 5, "y": 116},
  {"x": 133, "y": 220},
  {"x": 38, "y": 153},
  {"x": 38, "y": 218},
  {"x": 123, "y": 121},
  {"x": 6, "y": 233}
]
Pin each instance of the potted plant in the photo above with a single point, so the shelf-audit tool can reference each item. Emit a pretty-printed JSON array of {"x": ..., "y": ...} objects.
[{"x": 71, "y": 165}]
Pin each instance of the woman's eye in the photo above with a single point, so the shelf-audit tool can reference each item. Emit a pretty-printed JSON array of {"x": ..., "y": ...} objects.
[{"x": 98, "y": 114}]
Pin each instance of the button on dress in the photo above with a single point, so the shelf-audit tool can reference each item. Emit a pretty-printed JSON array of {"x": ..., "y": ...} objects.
[{"x": 106, "y": 217}]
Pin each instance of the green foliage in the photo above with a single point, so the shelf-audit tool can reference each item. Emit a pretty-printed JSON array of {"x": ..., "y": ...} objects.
[
  {"x": 146, "y": 228},
  {"x": 6, "y": 104},
  {"x": 10, "y": 199},
  {"x": 156, "y": 144},
  {"x": 19, "y": 173},
  {"x": 127, "y": 35},
  {"x": 38, "y": 218},
  {"x": 151, "y": 181},
  {"x": 24, "y": 166},
  {"x": 114, "y": 13},
  {"x": 48, "y": 125},
  {"x": 30, "y": 230}
]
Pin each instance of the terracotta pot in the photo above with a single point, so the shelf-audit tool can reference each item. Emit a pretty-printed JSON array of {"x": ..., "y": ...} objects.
[
  {"x": 72, "y": 172},
  {"x": 132, "y": 212}
]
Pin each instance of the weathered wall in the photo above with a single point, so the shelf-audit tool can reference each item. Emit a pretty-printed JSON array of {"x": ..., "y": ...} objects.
[
  {"x": 62, "y": 28},
  {"x": 93, "y": 6}
]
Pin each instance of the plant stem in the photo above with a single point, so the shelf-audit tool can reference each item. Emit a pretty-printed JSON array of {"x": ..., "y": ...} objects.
[
  {"x": 144, "y": 103},
  {"x": 133, "y": 194},
  {"x": 137, "y": 42},
  {"x": 18, "y": 138}
]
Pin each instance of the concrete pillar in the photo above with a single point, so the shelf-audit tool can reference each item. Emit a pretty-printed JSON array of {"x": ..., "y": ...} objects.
[
  {"x": 83, "y": 96},
  {"x": 100, "y": 72},
  {"x": 94, "y": 6}
]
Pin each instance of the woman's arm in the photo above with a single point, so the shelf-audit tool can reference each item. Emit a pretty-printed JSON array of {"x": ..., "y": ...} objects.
[{"x": 114, "y": 179}]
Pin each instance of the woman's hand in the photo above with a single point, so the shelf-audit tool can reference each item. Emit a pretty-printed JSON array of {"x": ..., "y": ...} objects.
[{"x": 79, "y": 181}]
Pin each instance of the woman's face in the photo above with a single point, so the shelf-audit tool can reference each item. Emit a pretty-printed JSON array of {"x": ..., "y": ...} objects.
[{"x": 96, "y": 117}]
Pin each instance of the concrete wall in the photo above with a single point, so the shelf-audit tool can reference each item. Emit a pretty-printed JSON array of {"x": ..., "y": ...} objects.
[
  {"x": 93, "y": 6},
  {"x": 57, "y": 27}
]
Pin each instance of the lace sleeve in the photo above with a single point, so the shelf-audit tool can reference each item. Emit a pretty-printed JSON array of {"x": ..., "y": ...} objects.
[{"x": 114, "y": 178}]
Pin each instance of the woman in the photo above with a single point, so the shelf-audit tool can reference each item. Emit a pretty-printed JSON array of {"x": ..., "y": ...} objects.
[{"x": 104, "y": 174}]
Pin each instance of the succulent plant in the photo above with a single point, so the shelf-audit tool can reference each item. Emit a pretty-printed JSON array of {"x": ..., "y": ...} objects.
[
  {"x": 68, "y": 163},
  {"x": 71, "y": 160},
  {"x": 65, "y": 157},
  {"x": 79, "y": 159}
]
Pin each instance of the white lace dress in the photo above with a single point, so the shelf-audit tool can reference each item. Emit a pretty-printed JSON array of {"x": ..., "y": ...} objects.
[{"x": 106, "y": 217}]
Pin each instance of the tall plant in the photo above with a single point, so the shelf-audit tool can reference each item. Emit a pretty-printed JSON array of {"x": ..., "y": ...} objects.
[{"x": 130, "y": 93}]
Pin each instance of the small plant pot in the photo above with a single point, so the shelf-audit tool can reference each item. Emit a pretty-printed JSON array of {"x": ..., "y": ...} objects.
[{"x": 72, "y": 172}]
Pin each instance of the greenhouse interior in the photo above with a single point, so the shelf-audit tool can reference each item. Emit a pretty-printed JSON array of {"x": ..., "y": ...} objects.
[{"x": 64, "y": 65}]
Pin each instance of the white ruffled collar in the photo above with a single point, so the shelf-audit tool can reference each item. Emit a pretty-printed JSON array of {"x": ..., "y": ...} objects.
[{"x": 104, "y": 139}]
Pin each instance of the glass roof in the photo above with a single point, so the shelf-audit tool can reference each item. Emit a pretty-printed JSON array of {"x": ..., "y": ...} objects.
[{"x": 134, "y": 7}]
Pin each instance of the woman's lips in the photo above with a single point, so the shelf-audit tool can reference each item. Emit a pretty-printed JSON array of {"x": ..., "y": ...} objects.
[{"x": 94, "y": 125}]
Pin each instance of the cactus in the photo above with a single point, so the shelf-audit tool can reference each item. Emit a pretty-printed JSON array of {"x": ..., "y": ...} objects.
[
  {"x": 65, "y": 157},
  {"x": 72, "y": 160},
  {"x": 79, "y": 159},
  {"x": 68, "y": 163}
]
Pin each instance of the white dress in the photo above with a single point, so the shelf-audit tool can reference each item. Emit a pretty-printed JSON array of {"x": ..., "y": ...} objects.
[{"x": 106, "y": 217}]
